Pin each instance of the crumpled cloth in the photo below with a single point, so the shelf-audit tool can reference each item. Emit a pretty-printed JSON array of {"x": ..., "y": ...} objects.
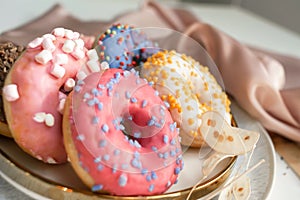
[{"x": 265, "y": 84}]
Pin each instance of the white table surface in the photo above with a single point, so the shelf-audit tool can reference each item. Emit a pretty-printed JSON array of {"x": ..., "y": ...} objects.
[{"x": 239, "y": 23}]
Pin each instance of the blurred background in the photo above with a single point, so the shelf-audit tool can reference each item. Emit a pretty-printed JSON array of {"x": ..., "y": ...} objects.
[{"x": 283, "y": 12}]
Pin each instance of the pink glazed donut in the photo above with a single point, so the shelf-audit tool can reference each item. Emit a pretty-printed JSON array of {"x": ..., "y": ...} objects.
[
  {"x": 35, "y": 90},
  {"x": 119, "y": 135}
]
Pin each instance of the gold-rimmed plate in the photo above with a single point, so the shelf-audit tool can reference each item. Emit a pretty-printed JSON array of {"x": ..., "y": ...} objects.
[{"x": 60, "y": 181}]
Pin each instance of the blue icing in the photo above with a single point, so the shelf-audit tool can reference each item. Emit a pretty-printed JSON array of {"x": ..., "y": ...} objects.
[{"x": 124, "y": 47}]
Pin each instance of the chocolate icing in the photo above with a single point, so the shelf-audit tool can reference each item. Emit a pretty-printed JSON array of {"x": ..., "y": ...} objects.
[{"x": 9, "y": 53}]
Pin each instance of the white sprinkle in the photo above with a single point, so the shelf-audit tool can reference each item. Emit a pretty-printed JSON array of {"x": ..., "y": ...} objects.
[
  {"x": 93, "y": 65},
  {"x": 10, "y": 92},
  {"x": 52, "y": 37},
  {"x": 92, "y": 54},
  {"x": 68, "y": 46},
  {"x": 78, "y": 53},
  {"x": 79, "y": 43},
  {"x": 39, "y": 117},
  {"x": 104, "y": 65},
  {"x": 60, "y": 32},
  {"x": 51, "y": 160},
  {"x": 43, "y": 57},
  {"x": 48, "y": 44},
  {"x": 81, "y": 75},
  {"x": 39, "y": 157},
  {"x": 69, "y": 84},
  {"x": 61, "y": 58},
  {"x": 35, "y": 43},
  {"x": 61, "y": 106},
  {"x": 69, "y": 34},
  {"x": 49, "y": 120},
  {"x": 58, "y": 71}
]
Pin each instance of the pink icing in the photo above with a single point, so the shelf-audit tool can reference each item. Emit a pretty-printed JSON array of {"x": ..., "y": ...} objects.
[
  {"x": 145, "y": 163},
  {"x": 39, "y": 92}
]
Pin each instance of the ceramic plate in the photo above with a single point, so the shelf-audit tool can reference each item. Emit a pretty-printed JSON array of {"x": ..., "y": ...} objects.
[{"x": 43, "y": 181}]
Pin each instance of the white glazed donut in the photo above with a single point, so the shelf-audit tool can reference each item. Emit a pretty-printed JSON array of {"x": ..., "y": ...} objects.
[{"x": 189, "y": 89}]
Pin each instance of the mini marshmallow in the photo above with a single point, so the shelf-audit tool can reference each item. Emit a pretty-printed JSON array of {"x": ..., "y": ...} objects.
[
  {"x": 48, "y": 44},
  {"x": 68, "y": 46},
  {"x": 52, "y": 37},
  {"x": 81, "y": 75},
  {"x": 104, "y": 65},
  {"x": 79, "y": 43},
  {"x": 58, "y": 71},
  {"x": 78, "y": 53},
  {"x": 35, "y": 43},
  {"x": 43, "y": 57},
  {"x": 59, "y": 32},
  {"x": 61, "y": 106},
  {"x": 49, "y": 120},
  {"x": 39, "y": 117},
  {"x": 61, "y": 59},
  {"x": 69, "y": 34},
  {"x": 69, "y": 84},
  {"x": 93, "y": 65},
  {"x": 92, "y": 54},
  {"x": 10, "y": 92},
  {"x": 76, "y": 35}
]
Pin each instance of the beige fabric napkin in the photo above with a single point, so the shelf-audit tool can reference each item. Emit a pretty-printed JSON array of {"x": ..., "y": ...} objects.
[{"x": 264, "y": 83}]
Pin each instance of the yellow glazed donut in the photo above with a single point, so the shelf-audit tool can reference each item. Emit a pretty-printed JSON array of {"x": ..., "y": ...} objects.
[{"x": 188, "y": 89}]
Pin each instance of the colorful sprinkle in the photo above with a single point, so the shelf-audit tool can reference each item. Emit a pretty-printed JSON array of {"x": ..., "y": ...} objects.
[
  {"x": 97, "y": 187},
  {"x": 144, "y": 171},
  {"x": 177, "y": 170},
  {"x": 117, "y": 152},
  {"x": 95, "y": 120},
  {"x": 122, "y": 180},
  {"x": 165, "y": 139},
  {"x": 153, "y": 175},
  {"x": 106, "y": 157},
  {"x": 137, "y": 134},
  {"x": 154, "y": 148},
  {"x": 97, "y": 160},
  {"x": 127, "y": 95},
  {"x": 168, "y": 184},
  {"x": 102, "y": 143},
  {"x": 133, "y": 100},
  {"x": 144, "y": 103},
  {"x": 124, "y": 166},
  {"x": 114, "y": 168},
  {"x": 151, "y": 122},
  {"x": 148, "y": 178},
  {"x": 105, "y": 128},
  {"x": 136, "y": 163},
  {"x": 80, "y": 137},
  {"x": 100, "y": 167},
  {"x": 151, "y": 188},
  {"x": 100, "y": 106}
]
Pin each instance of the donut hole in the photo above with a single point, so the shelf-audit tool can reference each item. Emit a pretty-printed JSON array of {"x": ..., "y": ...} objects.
[{"x": 140, "y": 125}]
